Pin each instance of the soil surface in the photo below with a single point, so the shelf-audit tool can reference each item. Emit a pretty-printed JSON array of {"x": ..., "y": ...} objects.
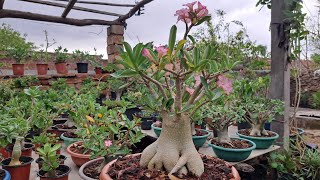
[
  {"x": 25, "y": 147},
  {"x": 79, "y": 149},
  {"x": 2, "y": 174},
  {"x": 57, "y": 173},
  {"x": 200, "y": 133},
  {"x": 246, "y": 132},
  {"x": 91, "y": 170},
  {"x": 70, "y": 135},
  {"x": 61, "y": 160},
  {"x": 64, "y": 126},
  {"x": 129, "y": 168},
  {"x": 235, "y": 144}
]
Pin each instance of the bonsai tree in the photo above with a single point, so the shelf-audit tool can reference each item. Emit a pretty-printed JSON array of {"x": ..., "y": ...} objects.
[
  {"x": 48, "y": 154},
  {"x": 61, "y": 55},
  {"x": 167, "y": 72},
  {"x": 252, "y": 97},
  {"x": 109, "y": 134},
  {"x": 19, "y": 53}
]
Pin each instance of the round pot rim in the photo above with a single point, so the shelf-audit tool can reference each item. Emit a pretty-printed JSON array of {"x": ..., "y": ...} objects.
[
  {"x": 18, "y": 64},
  {"x": 260, "y": 138},
  {"x": 67, "y": 138},
  {"x": 204, "y": 136},
  {"x": 8, "y": 148},
  {"x": 63, "y": 175},
  {"x": 42, "y": 63},
  {"x": 107, "y": 167},
  {"x": 60, "y": 63},
  {"x": 17, "y": 166},
  {"x": 154, "y": 127},
  {"x": 80, "y": 172},
  {"x": 77, "y": 154},
  {"x": 235, "y": 150}
]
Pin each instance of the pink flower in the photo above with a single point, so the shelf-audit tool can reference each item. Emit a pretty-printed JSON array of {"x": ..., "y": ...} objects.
[
  {"x": 197, "y": 78},
  {"x": 225, "y": 83},
  {"x": 107, "y": 143},
  {"x": 189, "y": 90},
  {"x": 183, "y": 15},
  {"x": 158, "y": 123},
  {"x": 190, "y": 5},
  {"x": 162, "y": 50},
  {"x": 146, "y": 53},
  {"x": 201, "y": 11}
]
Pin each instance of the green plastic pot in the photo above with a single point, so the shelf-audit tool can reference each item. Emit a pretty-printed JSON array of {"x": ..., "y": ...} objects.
[
  {"x": 261, "y": 142},
  {"x": 233, "y": 155},
  {"x": 197, "y": 140},
  {"x": 67, "y": 141}
]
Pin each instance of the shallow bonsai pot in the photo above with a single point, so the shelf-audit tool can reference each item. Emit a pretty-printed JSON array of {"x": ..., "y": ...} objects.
[
  {"x": 27, "y": 151},
  {"x": 18, "y": 69},
  {"x": 39, "y": 161},
  {"x": 78, "y": 159},
  {"x": 82, "y": 67},
  {"x": 67, "y": 141},
  {"x": 61, "y": 68},
  {"x": 105, "y": 176},
  {"x": 64, "y": 176},
  {"x": 81, "y": 173},
  {"x": 233, "y": 155},
  {"x": 42, "y": 68},
  {"x": 198, "y": 141},
  {"x": 6, "y": 175},
  {"x": 20, "y": 172},
  {"x": 261, "y": 142}
]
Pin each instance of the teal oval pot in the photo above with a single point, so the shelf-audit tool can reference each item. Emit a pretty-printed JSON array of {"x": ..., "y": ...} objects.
[
  {"x": 67, "y": 141},
  {"x": 233, "y": 155},
  {"x": 197, "y": 140},
  {"x": 261, "y": 142}
]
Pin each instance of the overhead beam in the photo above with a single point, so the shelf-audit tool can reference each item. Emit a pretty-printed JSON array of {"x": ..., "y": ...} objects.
[
  {"x": 68, "y": 8},
  {"x": 74, "y": 7},
  {"x": 101, "y": 3},
  {"x": 1, "y": 4},
  {"x": 133, "y": 10},
  {"x": 4, "y": 13}
]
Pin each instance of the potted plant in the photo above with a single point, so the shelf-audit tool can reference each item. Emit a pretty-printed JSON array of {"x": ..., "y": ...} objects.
[
  {"x": 44, "y": 138},
  {"x": 220, "y": 115},
  {"x": 4, "y": 174},
  {"x": 82, "y": 59},
  {"x": 51, "y": 167},
  {"x": 96, "y": 62},
  {"x": 61, "y": 57},
  {"x": 169, "y": 69},
  {"x": 19, "y": 54},
  {"x": 109, "y": 135},
  {"x": 258, "y": 110}
]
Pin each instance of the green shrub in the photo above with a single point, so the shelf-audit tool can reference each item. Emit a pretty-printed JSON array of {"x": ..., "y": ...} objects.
[{"x": 316, "y": 100}]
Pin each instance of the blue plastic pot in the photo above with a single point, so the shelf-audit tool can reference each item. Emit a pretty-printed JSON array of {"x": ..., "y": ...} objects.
[
  {"x": 233, "y": 155},
  {"x": 7, "y": 175}
]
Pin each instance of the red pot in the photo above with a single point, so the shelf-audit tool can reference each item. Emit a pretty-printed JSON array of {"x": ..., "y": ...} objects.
[
  {"x": 39, "y": 162},
  {"x": 78, "y": 159},
  {"x": 42, "y": 69},
  {"x": 18, "y": 69},
  {"x": 61, "y": 68},
  {"x": 27, "y": 151},
  {"x": 98, "y": 70},
  {"x": 64, "y": 168},
  {"x": 105, "y": 176},
  {"x": 20, "y": 172},
  {"x": 4, "y": 153}
]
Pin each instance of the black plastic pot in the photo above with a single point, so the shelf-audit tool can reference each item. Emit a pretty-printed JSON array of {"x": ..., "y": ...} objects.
[
  {"x": 64, "y": 176},
  {"x": 82, "y": 67},
  {"x": 146, "y": 123},
  {"x": 131, "y": 112},
  {"x": 100, "y": 99}
]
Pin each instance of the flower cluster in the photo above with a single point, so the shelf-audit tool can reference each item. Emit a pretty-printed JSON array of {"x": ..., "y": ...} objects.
[
  {"x": 191, "y": 14},
  {"x": 161, "y": 50},
  {"x": 225, "y": 83}
]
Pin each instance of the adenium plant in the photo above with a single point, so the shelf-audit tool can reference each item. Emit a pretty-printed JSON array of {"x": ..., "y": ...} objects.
[
  {"x": 50, "y": 158},
  {"x": 180, "y": 80}
]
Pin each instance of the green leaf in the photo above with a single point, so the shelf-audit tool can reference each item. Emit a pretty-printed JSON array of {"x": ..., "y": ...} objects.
[
  {"x": 204, "y": 82},
  {"x": 172, "y": 38},
  {"x": 192, "y": 39},
  {"x": 130, "y": 54},
  {"x": 217, "y": 93},
  {"x": 114, "y": 129},
  {"x": 169, "y": 103},
  {"x": 206, "y": 18},
  {"x": 124, "y": 73},
  {"x": 186, "y": 108},
  {"x": 274, "y": 165}
]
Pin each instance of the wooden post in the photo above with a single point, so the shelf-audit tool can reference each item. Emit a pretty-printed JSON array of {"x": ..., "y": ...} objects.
[{"x": 280, "y": 71}]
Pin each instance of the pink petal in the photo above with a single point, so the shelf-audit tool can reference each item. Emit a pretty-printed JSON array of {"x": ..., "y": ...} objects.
[
  {"x": 189, "y": 90},
  {"x": 162, "y": 50},
  {"x": 107, "y": 143},
  {"x": 225, "y": 83},
  {"x": 190, "y": 5}
]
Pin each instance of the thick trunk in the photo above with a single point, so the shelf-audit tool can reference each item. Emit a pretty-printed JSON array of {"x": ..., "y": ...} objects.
[
  {"x": 174, "y": 149},
  {"x": 16, "y": 153},
  {"x": 258, "y": 129},
  {"x": 223, "y": 136}
]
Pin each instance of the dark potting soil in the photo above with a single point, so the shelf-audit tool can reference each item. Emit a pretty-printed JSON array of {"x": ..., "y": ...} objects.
[
  {"x": 91, "y": 170},
  {"x": 2, "y": 174},
  {"x": 79, "y": 149},
  {"x": 62, "y": 158},
  {"x": 235, "y": 144},
  {"x": 70, "y": 135},
  {"x": 57, "y": 174},
  {"x": 25, "y": 147},
  {"x": 129, "y": 168},
  {"x": 200, "y": 133},
  {"x": 64, "y": 126},
  {"x": 246, "y": 132}
]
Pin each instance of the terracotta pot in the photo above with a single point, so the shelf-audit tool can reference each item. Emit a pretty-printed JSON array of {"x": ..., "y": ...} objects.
[
  {"x": 27, "y": 151},
  {"x": 39, "y": 161},
  {"x": 20, "y": 172},
  {"x": 42, "y": 69},
  {"x": 105, "y": 176},
  {"x": 61, "y": 68},
  {"x": 78, "y": 159},
  {"x": 64, "y": 176},
  {"x": 18, "y": 69},
  {"x": 98, "y": 70}
]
